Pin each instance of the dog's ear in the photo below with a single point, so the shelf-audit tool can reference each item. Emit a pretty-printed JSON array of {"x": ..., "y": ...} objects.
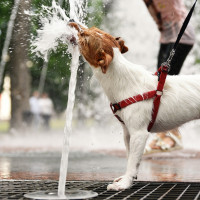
[
  {"x": 103, "y": 60},
  {"x": 123, "y": 47}
]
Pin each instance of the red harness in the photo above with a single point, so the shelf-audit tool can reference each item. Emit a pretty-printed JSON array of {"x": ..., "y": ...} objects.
[{"x": 162, "y": 74}]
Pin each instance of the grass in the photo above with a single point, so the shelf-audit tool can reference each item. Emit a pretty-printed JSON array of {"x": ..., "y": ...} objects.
[
  {"x": 57, "y": 123},
  {"x": 4, "y": 126}
]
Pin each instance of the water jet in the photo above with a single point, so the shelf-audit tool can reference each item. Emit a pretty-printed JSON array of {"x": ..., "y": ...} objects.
[{"x": 48, "y": 39}]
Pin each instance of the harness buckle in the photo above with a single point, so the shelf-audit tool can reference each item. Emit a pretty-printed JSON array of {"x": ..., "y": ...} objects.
[
  {"x": 159, "y": 93},
  {"x": 115, "y": 107}
]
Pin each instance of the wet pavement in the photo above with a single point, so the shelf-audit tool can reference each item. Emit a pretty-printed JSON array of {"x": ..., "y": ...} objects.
[
  {"x": 180, "y": 165},
  {"x": 36, "y": 156}
]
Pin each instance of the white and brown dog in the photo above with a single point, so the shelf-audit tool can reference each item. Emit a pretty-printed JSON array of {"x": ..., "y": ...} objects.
[{"x": 121, "y": 79}]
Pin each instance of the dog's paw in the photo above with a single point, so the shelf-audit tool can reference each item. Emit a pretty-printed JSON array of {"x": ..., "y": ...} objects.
[{"x": 121, "y": 183}]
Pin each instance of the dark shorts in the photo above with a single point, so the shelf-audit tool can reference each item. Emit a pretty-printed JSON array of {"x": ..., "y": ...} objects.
[{"x": 178, "y": 59}]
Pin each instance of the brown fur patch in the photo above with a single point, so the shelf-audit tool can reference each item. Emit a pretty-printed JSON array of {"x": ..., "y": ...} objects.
[{"x": 97, "y": 46}]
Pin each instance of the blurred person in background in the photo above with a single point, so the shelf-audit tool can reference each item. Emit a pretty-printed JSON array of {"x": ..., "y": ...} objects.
[
  {"x": 34, "y": 109},
  {"x": 46, "y": 109},
  {"x": 169, "y": 16}
]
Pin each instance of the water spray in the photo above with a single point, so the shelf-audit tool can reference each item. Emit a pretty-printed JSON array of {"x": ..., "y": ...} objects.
[{"x": 47, "y": 40}]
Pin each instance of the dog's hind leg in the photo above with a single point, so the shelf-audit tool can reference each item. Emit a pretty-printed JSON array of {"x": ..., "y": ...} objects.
[{"x": 136, "y": 148}]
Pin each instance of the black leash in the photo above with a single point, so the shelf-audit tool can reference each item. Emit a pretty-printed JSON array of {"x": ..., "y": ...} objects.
[
  {"x": 184, "y": 26},
  {"x": 182, "y": 30}
]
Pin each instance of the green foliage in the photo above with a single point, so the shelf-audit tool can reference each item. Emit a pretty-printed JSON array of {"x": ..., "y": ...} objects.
[
  {"x": 196, "y": 25},
  {"x": 197, "y": 31},
  {"x": 56, "y": 84},
  {"x": 96, "y": 13},
  {"x": 57, "y": 79},
  {"x": 58, "y": 67},
  {"x": 5, "y": 10}
]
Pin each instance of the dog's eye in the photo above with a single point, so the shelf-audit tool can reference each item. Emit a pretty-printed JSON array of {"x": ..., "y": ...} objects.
[{"x": 117, "y": 38}]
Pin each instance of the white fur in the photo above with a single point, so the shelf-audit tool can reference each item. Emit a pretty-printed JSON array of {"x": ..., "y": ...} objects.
[{"x": 180, "y": 103}]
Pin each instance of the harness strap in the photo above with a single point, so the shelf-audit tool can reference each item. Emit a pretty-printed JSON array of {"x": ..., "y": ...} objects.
[
  {"x": 163, "y": 70},
  {"x": 122, "y": 104}
]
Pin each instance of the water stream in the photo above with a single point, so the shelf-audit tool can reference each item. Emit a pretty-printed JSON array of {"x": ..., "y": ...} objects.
[
  {"x": 68, "y": 128},
  {"x": 47, "y": 40}
]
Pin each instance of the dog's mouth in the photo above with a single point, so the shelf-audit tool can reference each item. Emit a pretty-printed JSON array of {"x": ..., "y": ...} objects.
[{"x": 75, "y": 25}]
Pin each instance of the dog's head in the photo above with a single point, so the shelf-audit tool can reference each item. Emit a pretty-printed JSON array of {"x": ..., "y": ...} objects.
[{"x": 97, "y": 46}]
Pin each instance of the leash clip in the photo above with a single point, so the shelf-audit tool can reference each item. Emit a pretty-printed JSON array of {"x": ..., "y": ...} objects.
[{"x": 166, "y": 66}]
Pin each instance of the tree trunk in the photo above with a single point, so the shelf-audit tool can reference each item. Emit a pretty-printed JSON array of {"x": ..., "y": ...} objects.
[{"x": 19, "y": 72}]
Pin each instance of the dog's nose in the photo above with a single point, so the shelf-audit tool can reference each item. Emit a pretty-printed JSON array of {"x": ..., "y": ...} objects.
[
  {"x": 73, "y": 40},
  {"x": 71, "y": 20}
]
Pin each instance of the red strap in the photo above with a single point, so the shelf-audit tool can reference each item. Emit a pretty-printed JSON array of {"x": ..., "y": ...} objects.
[
  {"x": 119, "y": 119},
  {"x": 122, "y": 104},
  {"x": 163, "y": 71},
  {"x": 156, "y": 104}
]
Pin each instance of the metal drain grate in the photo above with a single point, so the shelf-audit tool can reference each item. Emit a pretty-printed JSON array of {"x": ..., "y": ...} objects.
[{"x": 139, "y": 190}]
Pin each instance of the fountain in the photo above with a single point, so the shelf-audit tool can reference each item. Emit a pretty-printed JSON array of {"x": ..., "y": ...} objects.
[{"x": 48, "y": 39}]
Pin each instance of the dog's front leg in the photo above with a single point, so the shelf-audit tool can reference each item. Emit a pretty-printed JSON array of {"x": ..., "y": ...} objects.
[
  {"x": 136, "y": 148},
  {"x": 126, "y": 139},
  {"x": 127, "y": 145}
]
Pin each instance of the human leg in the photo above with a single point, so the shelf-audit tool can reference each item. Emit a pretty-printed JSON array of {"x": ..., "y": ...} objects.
[{"x": 177, "y": 61}]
